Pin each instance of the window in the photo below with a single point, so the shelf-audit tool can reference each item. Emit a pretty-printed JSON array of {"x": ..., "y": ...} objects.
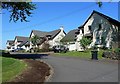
[
  {"x": 97, "y": 40},
  {"x": 89, "y": 28},
  {"x": 100, "y": 26},
  {"x": 83, "y": 31},
  {"x": 8, "y": 47},
  {"x": 102, "y": 40}
]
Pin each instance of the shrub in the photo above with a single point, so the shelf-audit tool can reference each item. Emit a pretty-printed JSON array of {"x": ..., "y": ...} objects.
[
  {"x": 85, "y": 42},
  {"x": 111, "y": 55},
  {"x": 43, "y": 50},
  {"x": 5, "y": 54},
  {"x": 117, "y": 50}
]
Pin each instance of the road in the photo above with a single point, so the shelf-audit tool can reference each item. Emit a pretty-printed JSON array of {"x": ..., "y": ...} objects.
[
  {"x": 68, "y": 69},
  {"x": 73, "y": 69}
]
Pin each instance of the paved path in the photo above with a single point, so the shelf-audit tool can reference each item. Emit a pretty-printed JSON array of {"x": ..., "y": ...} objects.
[{"x": 67, "y": 69}]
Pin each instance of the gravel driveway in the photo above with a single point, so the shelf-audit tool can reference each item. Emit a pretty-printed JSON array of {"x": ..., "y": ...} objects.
[{"x": 69, "y": 69}]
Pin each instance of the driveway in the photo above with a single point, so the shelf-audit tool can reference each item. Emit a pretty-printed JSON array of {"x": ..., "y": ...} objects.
[
  {"x": 72, "y": 69},
  {"x": 69, "y": 69}
]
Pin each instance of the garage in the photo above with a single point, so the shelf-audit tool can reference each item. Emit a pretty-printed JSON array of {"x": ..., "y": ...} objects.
[{"x": 72, "y": 47}]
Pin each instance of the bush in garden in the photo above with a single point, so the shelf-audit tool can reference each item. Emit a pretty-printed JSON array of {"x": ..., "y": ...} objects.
[{"x": 85, "y": 42}]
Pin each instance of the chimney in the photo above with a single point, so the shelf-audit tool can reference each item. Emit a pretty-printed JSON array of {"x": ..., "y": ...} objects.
[{"x": 61, "y": 28}]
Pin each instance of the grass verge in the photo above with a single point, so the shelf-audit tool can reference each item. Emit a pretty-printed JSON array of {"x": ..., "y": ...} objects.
[
  {"x": 11, "y": 68},
  {"x": 85, "y": 54}
]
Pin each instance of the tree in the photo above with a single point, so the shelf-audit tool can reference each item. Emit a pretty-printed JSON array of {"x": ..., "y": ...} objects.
[
  {"x": 99, "y": 3},
  {"x": 22, "y": 10},
  {"x": 35, "y": 40},
  {"x": 85, "y": 42},
  {"x": 19, "y": 10}
]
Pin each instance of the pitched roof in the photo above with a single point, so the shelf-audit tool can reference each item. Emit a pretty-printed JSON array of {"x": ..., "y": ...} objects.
[
  {"x": 39, "y": 33},
  {"x": 10, "y": 42},
  {"x": 43, "y": 33},
  {"x": 24, "y": 43},
  {"x": 21, "y": 38},
  {"x": 71, "y": 36},
  {"x": 111, "y": 20},
  {"x": 27, "y": 43},
  {"x": 54, "y": 33}
]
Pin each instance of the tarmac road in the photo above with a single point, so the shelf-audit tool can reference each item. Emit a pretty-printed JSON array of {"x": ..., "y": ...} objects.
[
  {"x": 73, "y": 69},
  {"x": 69, "y": 69}
]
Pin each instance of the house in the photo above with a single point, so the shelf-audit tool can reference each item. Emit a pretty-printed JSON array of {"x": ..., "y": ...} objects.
[
  {"x": 101, "y": 29},
  {"x": 25, "y": 45},
  {"x": 21, "y": 42},
  {"x": 52, "y": 37},
  {"x": 10, "y": 45},
  {"x": 72, "y": 40}
]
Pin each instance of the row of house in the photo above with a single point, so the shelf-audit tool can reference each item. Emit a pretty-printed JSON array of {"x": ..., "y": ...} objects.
[
  {"x": 101, "y": 29},
  {"x": 53, "y": 38}
]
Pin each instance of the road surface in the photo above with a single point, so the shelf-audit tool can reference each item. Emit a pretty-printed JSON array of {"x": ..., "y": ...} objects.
[
  {"x": 69, "y": 69},
  {"x": 73, "y": 69}
]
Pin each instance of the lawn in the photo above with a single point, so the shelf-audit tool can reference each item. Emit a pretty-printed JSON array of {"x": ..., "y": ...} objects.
[
  {"x": 86, "y": 54},
  {"x": 11, "y": 67}
]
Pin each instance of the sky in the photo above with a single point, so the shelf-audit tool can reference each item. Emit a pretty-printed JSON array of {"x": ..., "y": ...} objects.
[{"x": 50, "y": 16}]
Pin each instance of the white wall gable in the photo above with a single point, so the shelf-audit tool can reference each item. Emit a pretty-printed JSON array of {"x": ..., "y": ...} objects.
[
  {"x": 86, "y": 28},
  {"x": 106, "y": 30},
  {"x": 57, "y": 38},
  {"x": 32, "y": 34},
  {"x": 16, "y": 43}
]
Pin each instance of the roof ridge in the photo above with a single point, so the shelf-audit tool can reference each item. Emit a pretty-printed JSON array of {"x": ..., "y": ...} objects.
[
  {"x": 73, "y": 30},
  {"x": 54, "y": 30},
  {"x": 10, "y": 40},
  {"x": 38, "y": 30},
  {"x": 46, "y": 31},
  {"x": 94, "y": 11},
  {"x": 111, "y": 20},
  {"x": 22, "y": 36}
]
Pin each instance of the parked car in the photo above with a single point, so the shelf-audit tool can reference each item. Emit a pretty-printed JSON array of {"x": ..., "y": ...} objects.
[
  {"x": 11, "y": 50},
  {"x": 60, "y": 48},
  {"x": 18, "y": 49}
]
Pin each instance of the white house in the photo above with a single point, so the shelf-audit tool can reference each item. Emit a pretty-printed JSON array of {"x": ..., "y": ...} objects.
[
  {"x": 20, "y": 42},
  {"x": 56, "y": 36},
  {"x": 10, "y": 45},
  {"x": 101, "y": 29},
  {"x": 72, "y": 40},
  {"x": 25, "y": 45},
  {"x": 52, "y": 37}
]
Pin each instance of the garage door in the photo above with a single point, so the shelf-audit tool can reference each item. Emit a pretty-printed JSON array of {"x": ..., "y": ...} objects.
[{"x": 72, "y": 47}]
